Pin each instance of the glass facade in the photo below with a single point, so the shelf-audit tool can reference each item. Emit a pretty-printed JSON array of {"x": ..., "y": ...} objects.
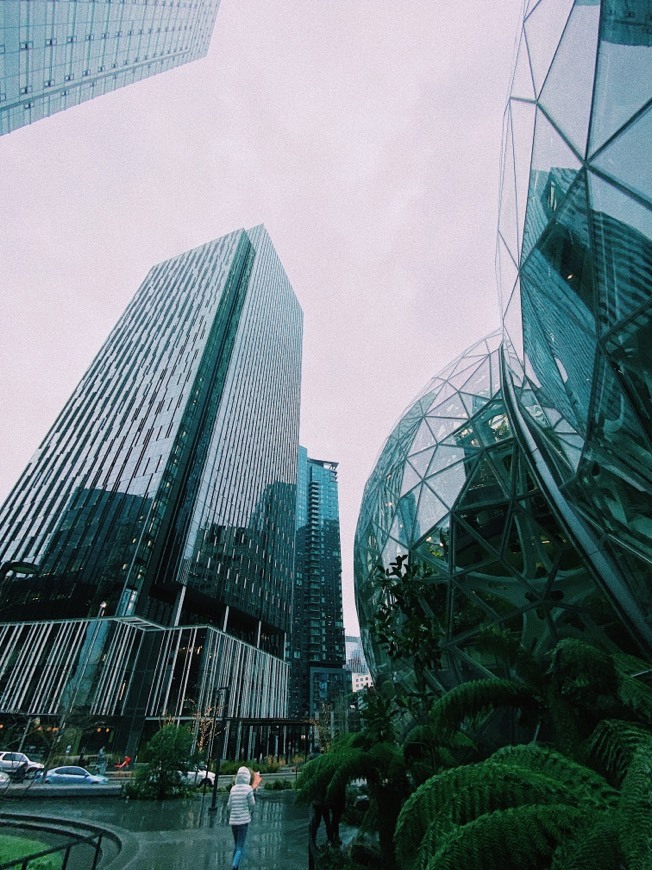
[
  {"x": 317, "y": 648},
  {"x": 575, "y": 258},
  {"x": 455, "y": 490},
  {"x": 58, "y": 53},
  {"x": 520, "y": 479},
  {"x": 165, "y": 493}
]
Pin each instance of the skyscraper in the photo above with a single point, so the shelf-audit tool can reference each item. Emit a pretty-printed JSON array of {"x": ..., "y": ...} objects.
[
  {"x": 164, "y": 494},
  {"x": 318, "y": 651},
  {"x": 60, "y": 53}
]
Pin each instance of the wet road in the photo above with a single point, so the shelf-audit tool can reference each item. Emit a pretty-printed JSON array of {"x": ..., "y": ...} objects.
[{"x": 175, "y": 835}]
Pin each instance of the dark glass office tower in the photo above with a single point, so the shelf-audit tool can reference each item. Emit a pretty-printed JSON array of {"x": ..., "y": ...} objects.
[
  {"x": 318, "y": 651},
  {"x": 57, "y": 53},
  {"x": 164, "y": 495}
]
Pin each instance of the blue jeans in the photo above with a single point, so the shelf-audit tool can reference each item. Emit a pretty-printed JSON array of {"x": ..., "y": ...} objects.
[{"x": 239, "y": 837}]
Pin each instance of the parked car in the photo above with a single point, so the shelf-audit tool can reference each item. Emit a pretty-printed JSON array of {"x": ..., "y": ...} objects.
[
  {"x": 198, "y": 775},
  {"x": 4, "y": 779},
  {"x": 70, "y": 775},
  {"x": 14, "y": 763}
]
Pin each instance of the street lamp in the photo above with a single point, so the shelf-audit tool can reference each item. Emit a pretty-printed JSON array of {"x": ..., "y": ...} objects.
[{"x": 220, "y": 742}]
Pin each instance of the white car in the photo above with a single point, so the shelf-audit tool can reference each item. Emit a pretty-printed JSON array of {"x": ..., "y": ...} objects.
[
  {"x": 197, "y": 776},
  {"x": 13, "y": 762}
]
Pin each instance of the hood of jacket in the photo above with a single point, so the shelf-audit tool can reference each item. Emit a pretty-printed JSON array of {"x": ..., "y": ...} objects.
[{"x": 243, "y": 776}]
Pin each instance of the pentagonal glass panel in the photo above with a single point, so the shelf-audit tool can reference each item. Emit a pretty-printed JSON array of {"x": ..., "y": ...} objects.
[
  {"x": 410, "y": 479},
  {"x": 449, "y": 483},
  {"x": 564, "y": 371},
  {"x": 420, "y": 461},
  {"x": 544, "y": 27},
  {"x": 444, "y": 456},
  {"x": 507, "y": 272},
  {"x": 627, "y": 158},
  {"x": 630, "y": 352},
  {"x": 554, "y": 169},
  {"x": 452, "y": 407},
  {"x": 575, "y": 60},
  {"x": 464, "y": 372},
  {"x": 513, "y": 323},
  {"x": 624, "y": 69},
  {"x": 442, "y": 427},
  {"x": 507, "y": 217},
  {"x": 443, "y": 390},
  {"x": 493, "y": 425},
  {"x": 622, "y": 232},
  {"x": 522, "y": 84},
  {"x": 435, "y": 550},
  {"x": 479, "y": 383},
  {"x": 572, "y": 445},
  {"x": 484, "y": 487},
  {"x": 424, "y": 438},
  {"x": 391, "y": 550},
  {"x": 430, "y": 510},
  {"x": 522, "y": 116}
]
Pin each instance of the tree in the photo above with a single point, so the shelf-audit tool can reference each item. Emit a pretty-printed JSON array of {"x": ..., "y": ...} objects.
[{"x": 167, "y": 754}]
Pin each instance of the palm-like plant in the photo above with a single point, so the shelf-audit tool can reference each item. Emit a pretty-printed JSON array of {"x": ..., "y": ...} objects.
[
  {"x": 526, "y": 806},
  {"x": 356, "y": 756}
]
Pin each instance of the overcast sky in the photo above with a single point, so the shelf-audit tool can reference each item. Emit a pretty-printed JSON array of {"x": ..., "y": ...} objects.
[{"x": 365, "y": 135}]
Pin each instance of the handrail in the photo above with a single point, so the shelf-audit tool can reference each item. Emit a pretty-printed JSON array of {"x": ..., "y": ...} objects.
[{"x": 92, "y": 839}]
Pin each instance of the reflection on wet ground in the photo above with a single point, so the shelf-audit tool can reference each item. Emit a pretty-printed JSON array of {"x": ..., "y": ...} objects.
[{"x": 174, "y": 835}]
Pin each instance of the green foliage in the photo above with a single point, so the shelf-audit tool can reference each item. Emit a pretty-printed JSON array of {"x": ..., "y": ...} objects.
[
  {"x": 14, "y": 848},
  {"x": 514, "y": 776},
  {"x": 467, "y": 703},
  {"x": 635, "y": 810},
  {"x": 405, "y": 622},
  {"x": 278, "y": 785},
  {"x": 593, "y": 844},
  {"x": 614, "y": 743},
  {"x": 352, "y": 757},
  {"x": 520, "y": 837},
  {"x": 167, "y": 754}
]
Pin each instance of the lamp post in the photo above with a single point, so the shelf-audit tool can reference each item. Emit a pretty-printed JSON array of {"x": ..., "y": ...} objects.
[{"x": 220, "y": 743}]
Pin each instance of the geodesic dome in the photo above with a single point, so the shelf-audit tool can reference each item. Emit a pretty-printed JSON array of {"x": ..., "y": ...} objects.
[
  {"x": 454, "y": 490},
  {"x": 575, "y": 264}
]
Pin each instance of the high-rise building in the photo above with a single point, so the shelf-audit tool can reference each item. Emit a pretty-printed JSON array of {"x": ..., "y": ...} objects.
[
  {"x": 57, "y": 53},
  {"x": 164, "y": 498},
  {"x": 318, "y": 652},
  {"x": 356, "y": 663}
]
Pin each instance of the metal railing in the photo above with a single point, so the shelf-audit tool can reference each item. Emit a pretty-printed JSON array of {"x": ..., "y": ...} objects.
[{"x": 93, "y": 840}]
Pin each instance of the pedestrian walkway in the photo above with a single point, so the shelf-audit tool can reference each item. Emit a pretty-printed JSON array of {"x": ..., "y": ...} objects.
[{"x": 183, "y": 834}]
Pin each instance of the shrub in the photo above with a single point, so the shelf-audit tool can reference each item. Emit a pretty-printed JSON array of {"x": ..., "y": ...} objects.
[
  {"x": 278, "y": 785},
  {"x": 167, "y": 753}
]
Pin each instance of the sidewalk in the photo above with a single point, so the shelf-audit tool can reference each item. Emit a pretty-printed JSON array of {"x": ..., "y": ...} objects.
[{"x": 177, "y": 835}]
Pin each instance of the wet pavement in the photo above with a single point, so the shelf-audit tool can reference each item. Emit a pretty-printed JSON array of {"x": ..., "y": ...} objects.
[{"x": 174, "y": 835}]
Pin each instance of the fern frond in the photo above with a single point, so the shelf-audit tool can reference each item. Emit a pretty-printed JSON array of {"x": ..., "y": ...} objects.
[
  {"x": 635, "y": 810},
  {"x": 561, "y": 768},
  {"x": 519, "y": 838},
  {"x": 501, "y": 790},
  {"x": 614, "y": 742},
  {"x": 513, "y": 776},
  {"x": 635, "y": 695},
  {"x": 469, "y": 701},
  {"x": 594, "y": 845}
]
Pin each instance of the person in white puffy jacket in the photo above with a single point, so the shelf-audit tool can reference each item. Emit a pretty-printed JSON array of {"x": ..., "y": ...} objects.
[{"x": 240, "y": 805}]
